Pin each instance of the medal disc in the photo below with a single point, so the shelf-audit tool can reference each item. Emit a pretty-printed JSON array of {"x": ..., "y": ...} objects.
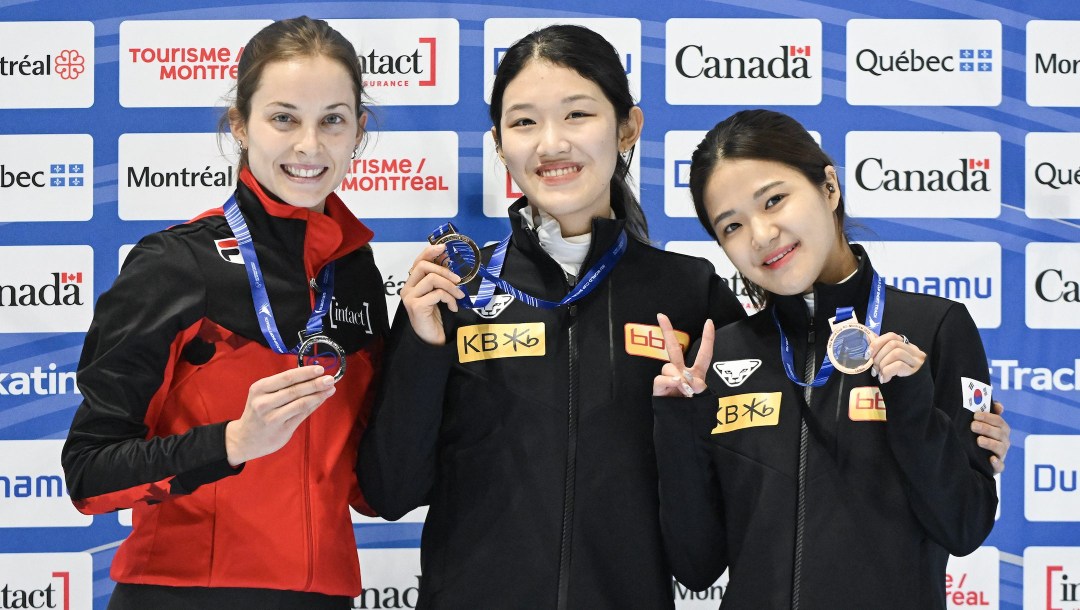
[
  {"x": 465, "y": 269},
  {"x": 321, "y": 350},
  {"x": 848, "y": 347}
]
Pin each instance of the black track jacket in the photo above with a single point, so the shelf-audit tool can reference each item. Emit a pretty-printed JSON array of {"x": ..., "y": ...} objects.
[
  {"x": 530, "y": 433},
  {"x": 891, "y": 482}
]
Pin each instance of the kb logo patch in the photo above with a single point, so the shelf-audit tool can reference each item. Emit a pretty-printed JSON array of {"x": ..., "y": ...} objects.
[
  {"x": 747, "y": 411},
  {"x": 488, "y": 341}
]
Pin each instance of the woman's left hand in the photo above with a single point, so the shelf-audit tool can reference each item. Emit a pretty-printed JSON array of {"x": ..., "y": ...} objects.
[
  {"x": 993, "y": 433},
  {"x": 895, "y": 356}
]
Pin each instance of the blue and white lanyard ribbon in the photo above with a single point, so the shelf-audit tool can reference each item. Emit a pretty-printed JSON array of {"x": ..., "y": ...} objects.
[
  {"x": 460, "y": 257},
  {"x": 874, "y": 313},
  {"x": 267, "y": 323}
]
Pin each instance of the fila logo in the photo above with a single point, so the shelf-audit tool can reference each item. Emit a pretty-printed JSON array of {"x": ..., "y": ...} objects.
[
  {"x": 866, "y": 404},
  {"x": 977, "y": 395},
  {"x": 229, "y": 250},
  {"x": 495, "y": 306},
  {"x": 735, "y": 372}
]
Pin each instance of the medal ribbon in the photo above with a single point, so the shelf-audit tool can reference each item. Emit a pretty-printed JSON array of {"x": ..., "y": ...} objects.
[
  {"x": 874, "y": 312},
  {"x": 460, "y": 256},
  {"x": 267, "y": 323}
]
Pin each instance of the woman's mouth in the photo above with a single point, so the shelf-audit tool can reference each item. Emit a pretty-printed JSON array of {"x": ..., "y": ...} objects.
[
  {"x": 303, "y": 172},
  {"x": 779, "y": 255}
]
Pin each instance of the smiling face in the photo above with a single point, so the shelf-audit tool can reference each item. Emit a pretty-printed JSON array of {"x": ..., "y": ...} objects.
[
  {"x": 776, "y": 227},
  {"x": 560, "y": 142},
  {"x": 302, "y": 129}
]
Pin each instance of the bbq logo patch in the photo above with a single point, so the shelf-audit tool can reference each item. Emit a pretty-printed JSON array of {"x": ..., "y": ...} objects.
[
  {"x": 866, "y": 404},
  {"x": 747, "y": 411},
  {"x": 489, "y": 341},
  {"x": 648, "y": 340},
  {"x": 735, "y": 372}
]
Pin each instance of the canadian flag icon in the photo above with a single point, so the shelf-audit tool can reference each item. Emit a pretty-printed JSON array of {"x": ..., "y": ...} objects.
[
  {"x": 978, "y": 163},
  {"x": 67, "y": 278},
  {"x": 804, "y": 51}
]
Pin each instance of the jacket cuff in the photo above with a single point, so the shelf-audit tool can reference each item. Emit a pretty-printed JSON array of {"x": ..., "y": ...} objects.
[{"x": 215, "y": 470}]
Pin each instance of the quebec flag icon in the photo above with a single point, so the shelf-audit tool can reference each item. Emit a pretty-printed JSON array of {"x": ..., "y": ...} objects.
[{"x": 977, "y": 395}]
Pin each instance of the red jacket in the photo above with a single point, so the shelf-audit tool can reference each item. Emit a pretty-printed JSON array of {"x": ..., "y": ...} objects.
[{"x": 167, "y": 363}]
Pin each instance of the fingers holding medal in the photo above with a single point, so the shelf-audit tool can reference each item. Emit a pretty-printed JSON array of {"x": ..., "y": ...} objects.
[
  {"x": 893, "y": 355},
  {"x": 430, "y": 283}
]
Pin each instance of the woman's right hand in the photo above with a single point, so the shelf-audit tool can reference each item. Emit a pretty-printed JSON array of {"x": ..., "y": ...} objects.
[
  {"x": 276, "y": 406},
  {"x": 675, "y": 379},
  {"x": 429, "y": 284}
]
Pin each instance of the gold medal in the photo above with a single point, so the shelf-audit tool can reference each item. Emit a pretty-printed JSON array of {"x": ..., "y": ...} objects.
[
  {"x": 466, "y": 271},
  {"x": 849, "y": 345}
]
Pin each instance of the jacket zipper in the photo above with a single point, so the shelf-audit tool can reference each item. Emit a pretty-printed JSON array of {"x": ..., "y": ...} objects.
[
  {"x": 307, "y": 509},
  {"x": 800, "y": 499},
  {"x": 571, "y": 456}
]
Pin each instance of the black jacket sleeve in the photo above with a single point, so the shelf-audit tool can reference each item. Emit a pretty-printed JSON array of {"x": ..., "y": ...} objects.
[
  {"x": 398, "y": 453},
  {"x": 724, "y": 306},
  {"x": 691, "y": 506},
  {"x": 949, "y": 477},
  {"x": 108, "y": 461}
]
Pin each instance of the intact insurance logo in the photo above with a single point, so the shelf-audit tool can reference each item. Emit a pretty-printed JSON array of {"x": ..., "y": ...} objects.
[
  {"x": 1052, "y": 169},
  {"x": 47, "y": 64},
  {"x": 968, "y": 272},
  {"x": 1052, "y": 578},
  {"x": 623, "y": 34},
  {"x": 404, "y": 174},
  {"x": 910, "y": 174},
  {"x": 924, "y": 62},
  {"x": 46, "y": 177},
  {"x": 1053, "y": 63},
  {"x": 972, "y": 581},
  {"x": 173, "y": 176},
  {"x": 678, "y": 148},
  {"x": 743, "y": 61},
  {"x": 1051, "y": 467},
  {"x": 63, "y": 581},
  {"x": 181, "y": 63},
  {"x": 32, "y": 489},
  {"x": 46, "y": 289},
  {"x": 1052, "y": 285},
  {"x": 500, "y": 189},
  {"x": 406, "y": 62}
]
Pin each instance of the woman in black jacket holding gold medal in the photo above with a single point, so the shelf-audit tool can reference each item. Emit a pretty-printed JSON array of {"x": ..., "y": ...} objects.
[{"x": 832, "y": 461}]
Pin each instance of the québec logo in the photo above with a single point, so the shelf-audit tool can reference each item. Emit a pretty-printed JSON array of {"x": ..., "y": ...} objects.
[
  {"x": 790, "y": 61},
  {"x": 61, "y": 289},
  {"x": 976, "y": 60},
  {"x": 58, "y": 175},
  {"x": 68, "y": 64}
]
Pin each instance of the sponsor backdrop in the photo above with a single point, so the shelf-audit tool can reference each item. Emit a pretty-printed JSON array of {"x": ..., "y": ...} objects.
[{"x": 956, "y": 132}]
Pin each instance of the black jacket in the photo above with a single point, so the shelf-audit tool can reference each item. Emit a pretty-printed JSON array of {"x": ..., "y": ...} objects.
[
  {"x": 883, "y": 502},
  {"x": 539, "y": 470}
]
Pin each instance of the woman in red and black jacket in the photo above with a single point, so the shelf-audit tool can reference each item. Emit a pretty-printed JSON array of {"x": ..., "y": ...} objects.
[{"x": 238, "y": 463}]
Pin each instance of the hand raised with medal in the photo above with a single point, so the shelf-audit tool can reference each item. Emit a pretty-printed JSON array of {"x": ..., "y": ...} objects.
[
  {"x": 675, "y": 379},
  {"x": 429, "y": 284},
  {"x": 894, "y": 356},
  {"x": 276, "y": 406}
]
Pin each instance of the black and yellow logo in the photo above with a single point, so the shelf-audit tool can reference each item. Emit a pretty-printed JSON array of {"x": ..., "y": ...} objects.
[
  {"x": 488, "y": 341},
  {"x": 747, "y": 411}
]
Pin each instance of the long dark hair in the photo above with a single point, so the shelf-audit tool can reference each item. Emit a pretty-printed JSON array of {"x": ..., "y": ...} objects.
[
  {"x": 284, "y": 40},
  {"x": 593, "y": 58},
  {"x": 763, "y": 135}
]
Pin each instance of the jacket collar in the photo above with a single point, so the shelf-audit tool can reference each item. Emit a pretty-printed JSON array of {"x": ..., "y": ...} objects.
[
  {"x": 327, "y": 236},
  {"x": 605, "y": 231},
  {"x": 854, "y": 292}
]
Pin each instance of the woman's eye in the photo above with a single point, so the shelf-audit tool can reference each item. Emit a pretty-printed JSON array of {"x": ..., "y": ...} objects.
[
  {"x": 578, "y": 115},
  {"x": 281, "y": 118},
  {"x": 523, "y": 122},
  {"x": 775, "y": 199},
  {"x": 334, "y": 119},
  {"x": 730, "y": 228}
]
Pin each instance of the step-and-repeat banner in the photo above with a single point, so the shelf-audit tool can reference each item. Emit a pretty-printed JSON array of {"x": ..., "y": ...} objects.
[{"x": 956, "y": 130}]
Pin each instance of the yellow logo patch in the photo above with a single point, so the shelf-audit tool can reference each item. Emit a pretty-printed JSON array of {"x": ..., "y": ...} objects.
[
  {"x": 866, "y": 404},
  {"x": 747, "y": 411},
  {"x": 487, "y": 341},
  {"x": 648, "y": 340}
]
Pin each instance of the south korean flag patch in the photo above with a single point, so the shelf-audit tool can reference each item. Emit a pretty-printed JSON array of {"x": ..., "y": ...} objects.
[{"x": 977, "y": 395}]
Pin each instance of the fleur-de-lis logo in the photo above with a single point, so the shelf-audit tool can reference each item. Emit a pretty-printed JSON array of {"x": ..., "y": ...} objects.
[{"x": 70, "y": 64}]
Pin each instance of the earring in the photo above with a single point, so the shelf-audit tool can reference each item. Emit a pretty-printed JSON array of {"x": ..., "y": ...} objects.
[
  {"x": 832, "y": 189},
  {"x": 239, "y": 147}
]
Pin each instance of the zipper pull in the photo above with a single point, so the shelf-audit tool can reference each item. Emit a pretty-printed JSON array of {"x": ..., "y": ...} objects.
[{"x": 314, "y": 285}]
